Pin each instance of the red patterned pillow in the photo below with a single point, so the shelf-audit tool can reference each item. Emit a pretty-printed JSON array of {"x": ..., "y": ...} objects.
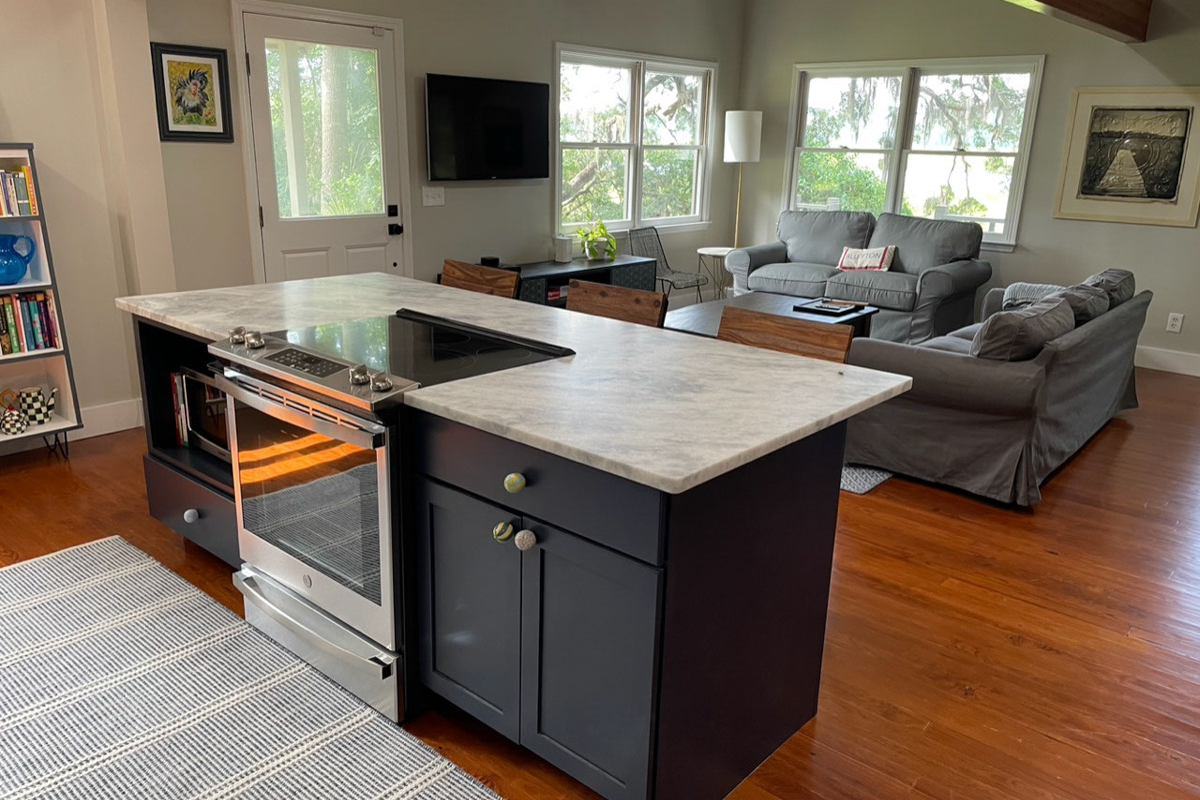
[{"x": 879, "y": 258}]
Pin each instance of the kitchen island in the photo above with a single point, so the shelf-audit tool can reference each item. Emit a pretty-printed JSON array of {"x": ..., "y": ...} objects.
[{"x": 660, "y": 632}]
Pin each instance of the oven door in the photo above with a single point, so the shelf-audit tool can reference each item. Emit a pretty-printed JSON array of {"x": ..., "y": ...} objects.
[{"x": 313, "y": 491}]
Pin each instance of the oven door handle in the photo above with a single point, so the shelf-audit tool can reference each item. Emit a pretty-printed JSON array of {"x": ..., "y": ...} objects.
[
  {"x": 365, "y": 434},
  {"x": 352, "y": 647}
]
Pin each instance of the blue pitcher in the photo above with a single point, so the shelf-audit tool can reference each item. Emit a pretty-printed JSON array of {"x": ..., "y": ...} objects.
[{"x": 12, "y": 263}]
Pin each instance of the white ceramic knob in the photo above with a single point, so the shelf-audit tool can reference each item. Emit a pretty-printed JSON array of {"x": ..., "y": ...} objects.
[
  {"x": 191, "y": 515},
  {"x": 525, "y": 540}
]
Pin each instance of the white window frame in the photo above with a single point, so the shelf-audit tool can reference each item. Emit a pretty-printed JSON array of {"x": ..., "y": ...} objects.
[
  {"x": 639, "y": 64},
  {"x": 910, "y": 73}
]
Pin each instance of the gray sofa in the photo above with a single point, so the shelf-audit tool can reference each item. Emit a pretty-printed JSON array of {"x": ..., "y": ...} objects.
[
  {"x": 997, "y": 428},
  {"x": 929, "y": 290}
]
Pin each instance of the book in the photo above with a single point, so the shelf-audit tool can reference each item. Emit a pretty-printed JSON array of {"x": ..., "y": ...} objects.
[
  {"x": 27, "y": 173},
  {"x": 52, "y": 310},
  {"x": 14, "y": 330},
  {"x": 21, "y": 303},
  {"x": 10, "y": 194},
  {"x": 4, "y": 209},
  {"x": 47, "y": 328},
  {"x": 22, "y": 195},
  {"x": 5, "y": 341},
  {"x": 35, "y": 322}
]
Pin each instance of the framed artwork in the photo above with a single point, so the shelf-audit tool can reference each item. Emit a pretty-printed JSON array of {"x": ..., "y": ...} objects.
[
  {"x": 1133, "y": 155},
  {"x": 191, "y": 86}
]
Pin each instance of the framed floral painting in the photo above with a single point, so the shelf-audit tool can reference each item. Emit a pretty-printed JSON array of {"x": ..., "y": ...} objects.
[{"x": 191, "y": 85}]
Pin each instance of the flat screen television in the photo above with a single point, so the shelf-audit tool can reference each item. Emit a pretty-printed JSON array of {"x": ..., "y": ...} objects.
[{"x": 478, "y": 129}]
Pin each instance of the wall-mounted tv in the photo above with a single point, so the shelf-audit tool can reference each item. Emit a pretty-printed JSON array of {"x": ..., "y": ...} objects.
[{"x": 478, "y": 129}]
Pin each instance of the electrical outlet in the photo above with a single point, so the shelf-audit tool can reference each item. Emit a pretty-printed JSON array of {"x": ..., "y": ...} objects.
[
  {"x": 1174, "y": 323},
  {"x": 433, "y": 195}
]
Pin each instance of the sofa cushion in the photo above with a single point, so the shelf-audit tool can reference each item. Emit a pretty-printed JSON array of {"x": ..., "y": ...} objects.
[
  {"x": 1087, "y": 302},
  {"x": 967, "y": 332},
  {"x": 818, "y": 237},
  {"x": 796, "y": 279},
  {"x": 1020, "y": 334},
  {"x": 1118, "y": 283},
  {"x": 949, "y": 343},
  {"x": 1020, "y": 294},
  {"x": 924, "y": 243},
  {"x": 894, "y": 290}
]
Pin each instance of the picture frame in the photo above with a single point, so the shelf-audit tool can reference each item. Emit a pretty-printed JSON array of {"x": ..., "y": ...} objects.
[
  {"x": 1132, "y": 156},
  {"x": 191, "y": 89}
]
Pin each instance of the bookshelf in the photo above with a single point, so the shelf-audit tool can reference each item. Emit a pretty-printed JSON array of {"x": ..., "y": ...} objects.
[{"x": 39, "y": 357}]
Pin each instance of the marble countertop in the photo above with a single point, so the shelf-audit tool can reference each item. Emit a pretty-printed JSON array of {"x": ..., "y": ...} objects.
[{"x": 663, "y": 408}]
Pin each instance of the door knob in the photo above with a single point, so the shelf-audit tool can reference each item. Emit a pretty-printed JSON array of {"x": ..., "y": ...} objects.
[
  {"x": 525, "y": 540},
  {"x": 502, "y": 532},
  {"x": 191, "y": 515},
  {"x": 514, "y": 482}
]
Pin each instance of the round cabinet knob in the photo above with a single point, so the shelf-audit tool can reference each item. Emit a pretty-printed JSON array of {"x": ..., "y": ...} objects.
[
  {"x": 254, "y": 340},
  {"x": 360, "y": 375},
  {"x": 191, "y": 515},
  {"x": 237, "y": 335},
  {"x": 380, "y": 382},
  {"x": 525, "y": 540},
  {"x": 514, "y": 482},
  {"x": 502, "y": 532}
]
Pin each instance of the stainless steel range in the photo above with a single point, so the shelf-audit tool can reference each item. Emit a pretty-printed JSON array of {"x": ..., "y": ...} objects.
[{"x": 314, "y": 435}]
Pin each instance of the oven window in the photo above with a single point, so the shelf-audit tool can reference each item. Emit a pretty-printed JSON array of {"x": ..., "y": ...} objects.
[{"x": 314, "y": 497}]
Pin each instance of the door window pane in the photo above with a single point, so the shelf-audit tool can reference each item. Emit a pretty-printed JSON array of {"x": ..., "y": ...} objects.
[
  {"x": 594, "y": 103},
  {"x": 856, "y": 181},
  {"x": 325, "y": 129},
  {"x": 669, "y": 183},
  {"x": 859, "y": 113},
  {"x": 971, "y": 112},
  {"x": 956, "y": 186},
  {"x": 594, "y": 181},
  {"x": 672, "y": 109}
]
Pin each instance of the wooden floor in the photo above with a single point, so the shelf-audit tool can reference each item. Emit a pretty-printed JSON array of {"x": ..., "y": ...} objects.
[{"x": 973, "y": 651}]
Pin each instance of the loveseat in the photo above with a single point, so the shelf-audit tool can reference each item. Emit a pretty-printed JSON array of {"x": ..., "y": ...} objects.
[
  {"x": 928, "y": 291},
  {"x": 998, "y": 428}
]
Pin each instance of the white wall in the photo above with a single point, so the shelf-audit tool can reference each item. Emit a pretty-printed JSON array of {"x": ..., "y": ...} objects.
[
  {"x": 512, "y": 40},
  {"x": 780, "y": 33}
]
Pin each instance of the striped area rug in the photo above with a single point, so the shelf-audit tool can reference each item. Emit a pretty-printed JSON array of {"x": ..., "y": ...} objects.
[{"x": 120, "y": 680}]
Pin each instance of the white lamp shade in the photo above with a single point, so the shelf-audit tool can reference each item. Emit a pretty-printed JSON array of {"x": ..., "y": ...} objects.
[{"x": 743, "y": 136}]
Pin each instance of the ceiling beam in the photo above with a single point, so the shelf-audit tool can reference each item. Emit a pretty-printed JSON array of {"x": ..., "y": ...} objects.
[{"x": 1124, "y": 20}]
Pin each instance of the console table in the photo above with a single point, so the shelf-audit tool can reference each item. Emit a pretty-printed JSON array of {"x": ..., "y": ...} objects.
[{"x": 540, "y": 277}]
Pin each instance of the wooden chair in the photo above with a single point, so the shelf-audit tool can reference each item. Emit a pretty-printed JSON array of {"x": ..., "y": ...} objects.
[
  {"x": 617, "y": 302},
  {"x": 485, "y": 280},
  {"x": 825, "y": 340}
]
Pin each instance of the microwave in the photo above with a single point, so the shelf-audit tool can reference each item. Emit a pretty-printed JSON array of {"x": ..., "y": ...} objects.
[{"x": 204, "y": 414}]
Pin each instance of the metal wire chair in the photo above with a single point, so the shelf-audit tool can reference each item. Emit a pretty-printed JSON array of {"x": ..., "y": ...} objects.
[{"x": 644, "y": 242}]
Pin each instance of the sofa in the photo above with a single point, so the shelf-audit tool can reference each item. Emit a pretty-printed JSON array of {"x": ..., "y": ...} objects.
[
  {"x": 928, "y": 291},
  {"x": 999, "y": 428}
]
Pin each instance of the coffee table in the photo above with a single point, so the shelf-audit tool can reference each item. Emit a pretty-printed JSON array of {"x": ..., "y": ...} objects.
[{"x": 705, "y": 318}]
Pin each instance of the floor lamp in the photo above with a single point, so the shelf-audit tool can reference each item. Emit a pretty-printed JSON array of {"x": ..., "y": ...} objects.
[{"x": 743, "y": 145}]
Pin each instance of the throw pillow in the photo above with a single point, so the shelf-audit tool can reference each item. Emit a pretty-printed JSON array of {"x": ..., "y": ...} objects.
[
  {"x": 1087, "y": 302},
  {"x": 1118, "y": 283},
  {"x": 1020, "y": 335},
  {"x": 875, "y": 258},
  {"x": 1019, "y": 295}
]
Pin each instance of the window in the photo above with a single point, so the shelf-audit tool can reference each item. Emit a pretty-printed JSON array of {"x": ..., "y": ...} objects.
[
  {"x": 937, "y": 139},
  {"x": 633, "y": 139}
]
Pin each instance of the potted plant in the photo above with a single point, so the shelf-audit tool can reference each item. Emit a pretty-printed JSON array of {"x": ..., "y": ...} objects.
[{"x": 598, "y": 243}]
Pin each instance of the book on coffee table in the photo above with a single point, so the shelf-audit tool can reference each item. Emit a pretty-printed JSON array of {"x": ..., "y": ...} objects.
[{"x": 827, "y": 306}]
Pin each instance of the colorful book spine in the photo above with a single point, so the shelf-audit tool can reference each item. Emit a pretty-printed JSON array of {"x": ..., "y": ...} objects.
[
  {"x": 52, "y": 310},
  {"x": 14, "y": 308},
  {"x": 22, "y": 195},
  {"x": 47, "y": 327},
  {"x": 10, "y": 192},
  {"x": 4, "y": 209},
  {"x": 14, "y": 330},
  {"x": 27, "y": 173},
  {"x": 22, "y": 306},
  {"x": 5, "y": 341},
  {"x": 35, "y": 323}
]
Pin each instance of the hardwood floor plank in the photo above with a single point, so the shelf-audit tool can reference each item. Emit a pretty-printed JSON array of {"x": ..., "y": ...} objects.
[{"x": 973, "y": 651}]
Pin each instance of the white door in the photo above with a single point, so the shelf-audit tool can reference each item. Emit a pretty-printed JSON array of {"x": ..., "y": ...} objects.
[{"x": 327, "y": 146}]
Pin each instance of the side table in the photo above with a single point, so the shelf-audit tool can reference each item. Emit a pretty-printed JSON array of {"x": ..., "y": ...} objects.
[{"x": 712, "y": 261}]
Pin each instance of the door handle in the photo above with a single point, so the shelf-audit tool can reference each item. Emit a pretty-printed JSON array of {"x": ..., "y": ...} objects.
[{"x": 395, "y": 229}]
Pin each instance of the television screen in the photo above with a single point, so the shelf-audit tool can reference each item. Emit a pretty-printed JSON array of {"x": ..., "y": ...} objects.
[{"x": 479, "y": 129}]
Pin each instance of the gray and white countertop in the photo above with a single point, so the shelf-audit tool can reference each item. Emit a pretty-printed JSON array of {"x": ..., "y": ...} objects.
[{"x": 663, "y": 408}]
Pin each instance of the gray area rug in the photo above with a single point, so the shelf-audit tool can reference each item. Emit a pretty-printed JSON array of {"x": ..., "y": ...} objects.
[
  {"x": 861, "y": 480},
  {"x": 120, "y": 680}
]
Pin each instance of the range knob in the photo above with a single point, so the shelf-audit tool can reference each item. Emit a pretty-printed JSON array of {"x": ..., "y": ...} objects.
[
  {"x": 380, "y": 382},
  {"x": 237, "y": 335},
  {"x": 254, "y": 340},
  {"x": 360, "y": 375}
]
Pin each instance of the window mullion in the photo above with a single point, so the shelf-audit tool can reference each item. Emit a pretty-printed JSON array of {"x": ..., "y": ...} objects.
[
  {"x": 637, "y": 111},
  {"x": 906, "y": 121}
]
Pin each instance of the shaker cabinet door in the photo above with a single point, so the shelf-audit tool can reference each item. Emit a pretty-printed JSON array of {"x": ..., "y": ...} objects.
[
  {"x": 589, "y": 661},
  {"x": 469, "y": 605}
]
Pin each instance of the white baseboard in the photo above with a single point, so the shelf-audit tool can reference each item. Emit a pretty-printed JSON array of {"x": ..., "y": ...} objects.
[
  {"x": 110, "y": 418},
  {"x": 1168, "y": 360}
]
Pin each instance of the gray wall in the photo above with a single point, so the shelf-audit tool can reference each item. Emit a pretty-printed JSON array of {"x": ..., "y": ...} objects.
[
  {"x": 514, "y": 40},
  {"x": 780, "y": 33}
]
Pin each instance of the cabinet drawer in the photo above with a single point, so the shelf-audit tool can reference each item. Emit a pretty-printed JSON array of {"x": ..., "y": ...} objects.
[
  {"x": 597, "y": 505},
  {"x": 172, "y": 494}
]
